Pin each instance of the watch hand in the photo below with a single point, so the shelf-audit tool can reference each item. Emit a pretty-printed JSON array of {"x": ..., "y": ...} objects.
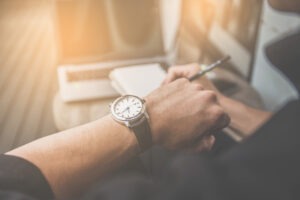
[
  {"x": 128, "y": 110},
  {"x": 124, "y": 109}
]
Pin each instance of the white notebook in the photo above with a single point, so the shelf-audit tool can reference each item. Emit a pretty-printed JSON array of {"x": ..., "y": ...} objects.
[{"x": 137, "y": 80}]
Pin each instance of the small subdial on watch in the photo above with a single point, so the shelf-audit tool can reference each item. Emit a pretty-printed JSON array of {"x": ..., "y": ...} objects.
[{"x": 128, "y": 107}]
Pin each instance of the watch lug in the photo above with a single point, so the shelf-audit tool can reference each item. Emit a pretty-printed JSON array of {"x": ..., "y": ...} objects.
[
  {"x": 146, "y": 115},
  {"x": 127, "y": 124}
]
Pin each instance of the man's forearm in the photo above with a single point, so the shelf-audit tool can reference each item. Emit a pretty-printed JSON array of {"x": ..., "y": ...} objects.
[
  {"x": 72, "y": 160},
  {"x": 243, "y": 118}
]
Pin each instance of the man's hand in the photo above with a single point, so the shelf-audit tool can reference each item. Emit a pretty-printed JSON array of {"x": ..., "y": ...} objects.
[
  {"x": 182, "y": 114},
  {"x": 186, "y": 71},
  {"x": 243, "y": 118},
  {"x": 181, "y": 71}
]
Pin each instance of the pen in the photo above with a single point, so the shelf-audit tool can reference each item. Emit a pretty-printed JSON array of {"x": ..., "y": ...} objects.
[{"x": 209, "y": 68}]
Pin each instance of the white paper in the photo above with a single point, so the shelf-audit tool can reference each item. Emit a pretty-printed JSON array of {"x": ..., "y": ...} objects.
[{"x": 137, "y": 80}]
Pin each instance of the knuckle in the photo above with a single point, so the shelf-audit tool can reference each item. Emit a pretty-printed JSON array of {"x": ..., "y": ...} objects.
[
  {"x": 209, "y": 96},
  {"x": 196, "y": 66},
  {"x": 171, "y": 69},
  {"x": 182, "y": 81},
  {"x": 198, "y": 86},
  {"x": 217, "y": 114}
]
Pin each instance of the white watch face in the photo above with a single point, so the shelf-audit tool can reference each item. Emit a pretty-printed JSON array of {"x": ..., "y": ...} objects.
[{"x": 128, "y": 107}]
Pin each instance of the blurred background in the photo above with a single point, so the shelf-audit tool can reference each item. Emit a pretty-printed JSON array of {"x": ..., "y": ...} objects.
[{"x": 36, "y": 36}]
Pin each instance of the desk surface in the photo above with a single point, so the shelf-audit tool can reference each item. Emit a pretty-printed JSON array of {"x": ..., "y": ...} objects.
[{"x": 69, "y": 115}]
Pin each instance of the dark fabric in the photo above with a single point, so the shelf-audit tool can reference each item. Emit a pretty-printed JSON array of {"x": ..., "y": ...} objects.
[
  {"x": 14, "y": 195},
  {"x": 285, "y": 55},
  {"x": 157, "y": 159},
  {"x": 131, "y": 186},
  {"x": 223, "y": 143},
  {"x": 19, "y": 178},
  {"x": 270, "y": 161}
]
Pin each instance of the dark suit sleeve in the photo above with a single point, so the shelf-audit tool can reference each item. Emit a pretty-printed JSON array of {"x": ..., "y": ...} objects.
[
  {"x": 266, "y": 166},
  {"x": 284, "y": 55},
  {"x": 19, "y": 177}
]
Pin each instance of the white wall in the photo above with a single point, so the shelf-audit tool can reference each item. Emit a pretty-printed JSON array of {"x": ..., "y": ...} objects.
[
  {"x": 274, "y": 88},
  {"x": 170, "y": 18}
]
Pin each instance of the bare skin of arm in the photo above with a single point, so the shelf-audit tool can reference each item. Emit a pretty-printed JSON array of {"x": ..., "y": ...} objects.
[
  {"x": 244, "y": 119},
  {"x": 180, "y": 113}
]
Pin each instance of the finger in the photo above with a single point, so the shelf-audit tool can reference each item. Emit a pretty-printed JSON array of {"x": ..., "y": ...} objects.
[
  {"x": 173, "y": 74},
  {"x": 197, "y": 86},
  {"x": 223, "y": 122},
  {"x": 183, "y": 71},
  {"x": 205, "y": 144},
  {"x": 169, "y": 78}
]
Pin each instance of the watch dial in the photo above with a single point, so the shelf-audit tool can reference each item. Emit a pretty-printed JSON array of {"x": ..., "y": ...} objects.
[{"x": 128, "y": 107}]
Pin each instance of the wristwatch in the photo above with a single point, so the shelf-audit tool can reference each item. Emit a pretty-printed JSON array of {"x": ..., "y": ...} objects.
[{"x": 130, "y": 111}]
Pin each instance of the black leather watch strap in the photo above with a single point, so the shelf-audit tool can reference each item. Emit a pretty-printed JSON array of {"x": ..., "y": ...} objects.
[{"x": 143, "y": 135}]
